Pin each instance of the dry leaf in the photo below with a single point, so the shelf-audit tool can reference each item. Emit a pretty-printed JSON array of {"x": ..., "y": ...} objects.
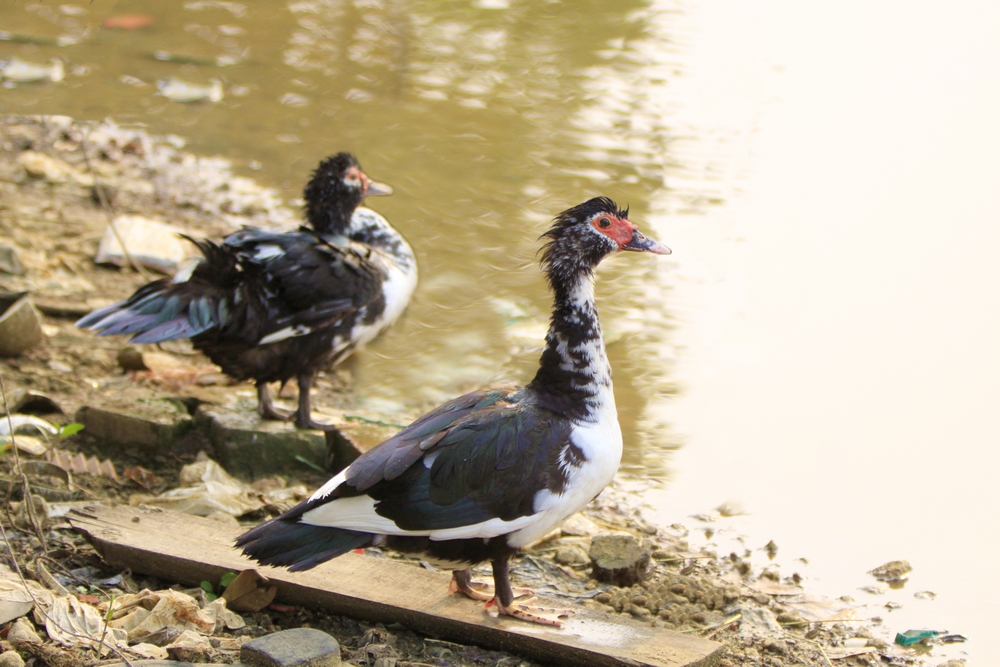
[
  {"x": 72, "y": 623},
  {"x": 147, "y": 612},
  {"x": 142, "y": 477},
  {"x": 206, "y": 488},
  {"x": 249, "y": 591}
]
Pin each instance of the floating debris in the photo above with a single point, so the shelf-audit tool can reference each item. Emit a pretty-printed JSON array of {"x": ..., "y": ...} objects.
[
  {"x": 176, "y": 90},
  {"x": 128, "y": 22},
  {"x": 221, "y": 61},
  {"x": 15, "y": 38},
  {"x": 16, "y": 70}
]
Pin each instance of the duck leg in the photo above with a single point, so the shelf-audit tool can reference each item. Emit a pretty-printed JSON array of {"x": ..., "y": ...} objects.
[
  {"x": 507, "y": 605},
  {"x": 303, "y": 416},
  {"x": 266, "y": 408},
  {"x": 461, "y": 582}
]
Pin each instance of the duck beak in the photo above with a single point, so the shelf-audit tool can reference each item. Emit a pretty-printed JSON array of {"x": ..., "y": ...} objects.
[
  {"x": 375, "y": 188},
  {"x": 641, "y": 243}
]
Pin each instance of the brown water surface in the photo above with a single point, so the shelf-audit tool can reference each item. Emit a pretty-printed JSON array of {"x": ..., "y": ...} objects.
[{"x": 826, "y": 176}]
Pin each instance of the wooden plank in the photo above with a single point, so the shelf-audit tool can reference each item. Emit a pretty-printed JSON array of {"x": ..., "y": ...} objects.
[{"x": 188, "y": 549}]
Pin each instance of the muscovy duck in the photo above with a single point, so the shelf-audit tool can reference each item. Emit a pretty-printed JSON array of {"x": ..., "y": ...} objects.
[
  {"x": 486, "y": 473},
  {"x": 271, "y": 305}
]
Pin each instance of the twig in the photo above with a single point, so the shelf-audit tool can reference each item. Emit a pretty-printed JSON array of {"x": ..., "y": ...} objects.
[
  {"x": 791, "y": 624},
  {"x": 106, "y": 207},
  {"x": 819, "y": 647},
  {"x": 107, "y": 619},
  {"x": 27, "y": 500},
  {"x": 43, "y": 612},
  {"x": 711, "y": 632}
]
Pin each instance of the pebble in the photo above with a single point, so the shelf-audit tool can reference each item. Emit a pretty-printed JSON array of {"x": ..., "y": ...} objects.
[
  {"x": 892, "y": 572},
  {"x": 11, "y": 659},
  {"x": 299, "y": 647},
  {"x": 52, "y": 170},
  {"x": 619, "y": 559},
  {"x": 23, "y": 632},
  {"x": 571, "y": 555},
  {"x": 152, "y": 243},
  {"x": 10, "y": 259}
]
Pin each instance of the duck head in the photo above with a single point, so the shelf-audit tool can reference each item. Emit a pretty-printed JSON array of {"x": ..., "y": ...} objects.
[
  {"x": 337, "y": 187},
  {"x": 582, "y": 236}
]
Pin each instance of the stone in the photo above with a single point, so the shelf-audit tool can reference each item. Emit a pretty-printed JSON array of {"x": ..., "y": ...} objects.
[
  {"x": 250, "y": 447},
  {"x": 11, "y": 659},
  {"x": 571, "y": 555},
  {"x": 10, "y": 259},
  {"x": 20, "y": 324},
  {"x": 43, "y": 167},
  {"x": 22, "y": 632},
  {"x": 152, "y": 243},
  {"x": 619, "y": 560},
  {"x": 892, "y": 572},
  {"x": 579, "y": 526},
  {"x": 149, "y": 422},
  {"x": 299, "y": 647}
]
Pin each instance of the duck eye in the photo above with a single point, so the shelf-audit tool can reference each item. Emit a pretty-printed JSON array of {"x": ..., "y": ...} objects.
[{"x": 604, "y": 223}]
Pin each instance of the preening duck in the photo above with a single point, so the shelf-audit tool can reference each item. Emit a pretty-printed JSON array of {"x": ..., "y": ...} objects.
[
  {"x": 268, "y": 305},
  {"x": 481, "y": 476}
]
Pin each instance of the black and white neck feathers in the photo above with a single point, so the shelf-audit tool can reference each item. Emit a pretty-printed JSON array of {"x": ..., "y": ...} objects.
[{"x": 574, "y": 376}]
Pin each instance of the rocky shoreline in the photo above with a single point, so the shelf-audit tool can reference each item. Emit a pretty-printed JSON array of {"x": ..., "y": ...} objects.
[{"x": 158, "y": 412}]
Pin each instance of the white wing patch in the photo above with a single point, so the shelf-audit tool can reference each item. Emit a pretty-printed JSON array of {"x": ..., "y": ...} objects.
[
  {"x": 267, "y": 251},
  {"x": 358, "y": 513},
  {"x": 186, "y": 272},
  {"x": 287, "y": 332}
]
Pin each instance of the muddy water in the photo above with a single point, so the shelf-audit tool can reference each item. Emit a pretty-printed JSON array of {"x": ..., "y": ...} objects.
[{"x": 820, "y": 347}]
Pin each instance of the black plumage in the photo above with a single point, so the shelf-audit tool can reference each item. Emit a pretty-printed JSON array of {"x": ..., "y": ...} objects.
[
  {"x": 270, "y": 305},
  {"x": 480, "y": 476}
]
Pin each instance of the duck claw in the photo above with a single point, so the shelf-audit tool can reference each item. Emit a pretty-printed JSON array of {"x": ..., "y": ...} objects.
[
  {"x": 277, "y": 414},
  {"x": 480, "y": 590},
  {"x": 521, "y": 609}
]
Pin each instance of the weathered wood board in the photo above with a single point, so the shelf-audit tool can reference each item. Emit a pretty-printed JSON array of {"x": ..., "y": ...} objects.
[{"x": 188, "y": 549}]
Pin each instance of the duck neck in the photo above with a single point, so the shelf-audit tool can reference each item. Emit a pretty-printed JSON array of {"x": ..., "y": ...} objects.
[{"x": 574, "y": 376}]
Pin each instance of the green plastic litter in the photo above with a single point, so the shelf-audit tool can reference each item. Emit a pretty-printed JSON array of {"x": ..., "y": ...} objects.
[{"x": 916, "y": 636}]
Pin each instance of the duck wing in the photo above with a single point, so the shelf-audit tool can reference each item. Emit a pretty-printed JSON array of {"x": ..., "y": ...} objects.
[
  {"x": 470, "y": 468},
  {"x": 317, "y": 280}
]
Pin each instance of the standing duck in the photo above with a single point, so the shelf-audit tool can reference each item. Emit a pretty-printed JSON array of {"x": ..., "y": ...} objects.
[
  {"x": 269, "y": 305},
  {"x": 481, "y": 476}
]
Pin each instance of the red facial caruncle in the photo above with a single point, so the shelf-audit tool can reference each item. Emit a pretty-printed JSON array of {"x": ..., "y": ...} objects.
[{"x": 619, "y": 230}]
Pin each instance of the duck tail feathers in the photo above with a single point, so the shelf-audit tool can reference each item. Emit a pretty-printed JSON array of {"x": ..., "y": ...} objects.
[
  {"x": 160, "y": 311},
  {"x": 298, "y": 546}
]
